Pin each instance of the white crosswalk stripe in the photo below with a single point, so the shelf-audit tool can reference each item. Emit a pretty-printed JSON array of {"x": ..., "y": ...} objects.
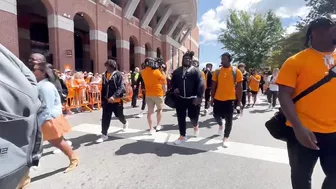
[{"x": 276, "y": 155}]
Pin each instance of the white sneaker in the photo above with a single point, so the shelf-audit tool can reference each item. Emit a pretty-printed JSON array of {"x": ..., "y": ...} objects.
[
  {"x": 139, "y": 115},
  {"x": 206, "y": 112},
  {"x": 125, "y": 126},
  {"x": 220, "y": 131},
  {"x": 196, "y": 131},
  {"x": 158, "y": 128},
  {"x": 152, "y": 131},
  {"x": 225, "y": 143},
  {"x": 102, "y": 138},
  {"x": 180, "y": 140}
]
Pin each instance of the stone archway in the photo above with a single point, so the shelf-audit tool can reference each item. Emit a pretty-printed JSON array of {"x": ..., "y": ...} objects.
[
  {"x": 33, "y": 32},
  {"x": 133, "y": 42},
  {"x": 158, "y": 52},
  {"x": 82, "y": 50},
  {"x": 148, "y": 50}
]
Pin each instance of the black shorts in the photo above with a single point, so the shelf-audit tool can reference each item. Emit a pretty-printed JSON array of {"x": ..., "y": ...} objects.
[
  {"x": 223, "y": 108},
  {"x": 254, "y": 92}
]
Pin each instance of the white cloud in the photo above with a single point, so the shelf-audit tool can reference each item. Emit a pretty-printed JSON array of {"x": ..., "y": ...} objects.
[
  {"x": 210, "y": 26},
  {"x": 290, "y": 29},
  {"x": 285, "y": 12},
  {"x": 213, "y": 20}
]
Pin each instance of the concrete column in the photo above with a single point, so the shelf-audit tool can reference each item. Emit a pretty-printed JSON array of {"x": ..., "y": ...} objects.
[
  {"x": 140, "y": 55},
  {"x": 130, "y": 8},
  {"x": 179, "y": 33},
  {"x": 152, "y": 54},
  {"x": 123, "y": 57},
  {"x": 24, "y": 37},
  {"x": 166, "y": 54},
  {"x": 162, "y": 21},
  {"x": 173, "y": 27},
  {"x": 61, "y": 41},
  {"x": 98, "y": 49},
  {"x": 9, "y": 29},
  {"x": 185, "y": 36},
  {"x": 150, "y": 13}
]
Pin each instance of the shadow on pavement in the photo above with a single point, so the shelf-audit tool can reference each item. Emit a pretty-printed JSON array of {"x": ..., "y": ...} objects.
[
  {"x": 40, "y": 177},
  {"x": 208, "y": 123},
  {"x": 259, "y": 111},
  {"x": 166, "y": 149},
  {"x": 169, "y": 127},
  {"x": 76, "y": 143}
]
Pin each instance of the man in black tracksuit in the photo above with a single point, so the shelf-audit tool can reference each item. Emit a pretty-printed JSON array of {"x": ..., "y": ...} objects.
[
  {"x": 188, "y": 85},
  {"x": 113, "y": 89}
]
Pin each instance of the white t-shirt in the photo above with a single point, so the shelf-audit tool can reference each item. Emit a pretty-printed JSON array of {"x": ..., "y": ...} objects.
[{"x": 272, "y": 86}]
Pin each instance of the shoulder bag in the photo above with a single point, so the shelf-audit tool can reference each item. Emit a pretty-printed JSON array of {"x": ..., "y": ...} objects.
[{"x": 277, "y": 124}]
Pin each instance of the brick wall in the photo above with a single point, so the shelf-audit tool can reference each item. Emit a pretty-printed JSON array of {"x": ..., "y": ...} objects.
[{"x": 98, "y": 17}]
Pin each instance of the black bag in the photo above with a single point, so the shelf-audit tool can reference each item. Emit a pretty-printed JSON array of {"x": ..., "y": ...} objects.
[
  {"x": 170, "y": 99},
  {"x": 276, "y": 126},
  {"x": 65, "y": 92}
]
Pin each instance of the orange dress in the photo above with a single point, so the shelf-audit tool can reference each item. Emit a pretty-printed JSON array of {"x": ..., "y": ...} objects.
[{"x": 55, "y": 128}]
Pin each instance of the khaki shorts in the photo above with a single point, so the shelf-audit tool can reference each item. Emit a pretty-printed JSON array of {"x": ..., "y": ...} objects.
[{"x": 155, "y": 101}]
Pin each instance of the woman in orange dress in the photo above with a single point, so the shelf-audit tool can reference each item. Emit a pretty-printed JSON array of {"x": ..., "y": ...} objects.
[{"x": 50, "y": 118}]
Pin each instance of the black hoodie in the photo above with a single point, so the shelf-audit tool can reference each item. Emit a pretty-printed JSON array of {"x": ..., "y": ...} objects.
[
  {"x": 190, "y": 84},
  {"x": 113, "y": 86}
]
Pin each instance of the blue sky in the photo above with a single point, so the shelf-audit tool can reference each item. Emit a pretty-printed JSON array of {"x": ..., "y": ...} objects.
[{"x": 212, "y": 17}]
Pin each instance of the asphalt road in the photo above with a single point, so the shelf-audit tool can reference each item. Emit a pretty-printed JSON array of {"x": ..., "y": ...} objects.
[{"x": 133, "y": 160}]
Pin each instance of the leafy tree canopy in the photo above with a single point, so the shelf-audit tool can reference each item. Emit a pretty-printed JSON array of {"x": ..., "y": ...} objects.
[{"x": 251, "y": 37}]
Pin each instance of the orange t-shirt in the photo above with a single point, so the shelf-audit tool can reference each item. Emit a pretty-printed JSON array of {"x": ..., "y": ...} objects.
[
  {"x": 253, "y": 84},
  {"x": 316, "y": 111},
  {"x": 225, "y": 84},
  {"x": 154, "y": 81}
]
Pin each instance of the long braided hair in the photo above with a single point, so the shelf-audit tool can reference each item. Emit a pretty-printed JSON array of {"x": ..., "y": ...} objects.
[{"x": 317, "y": 23}]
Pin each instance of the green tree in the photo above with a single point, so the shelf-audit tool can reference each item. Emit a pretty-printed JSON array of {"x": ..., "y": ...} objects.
[
  {"x": 317, "y": 8},
  {"x": 288, "y": 46},
  {"x": 251, "y": 37}
]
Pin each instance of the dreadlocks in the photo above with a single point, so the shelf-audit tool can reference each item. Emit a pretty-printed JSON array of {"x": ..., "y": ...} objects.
[
  {"x": 190, "y": 54},
  {"x": 317, "y": 23}
]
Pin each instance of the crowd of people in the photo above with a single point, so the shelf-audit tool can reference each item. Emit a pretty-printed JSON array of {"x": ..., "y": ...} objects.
[{"x": 228, "y": 89}]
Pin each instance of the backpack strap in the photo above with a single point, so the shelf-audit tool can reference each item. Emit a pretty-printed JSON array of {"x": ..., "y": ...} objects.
[{"x": 217, "y": 75}]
